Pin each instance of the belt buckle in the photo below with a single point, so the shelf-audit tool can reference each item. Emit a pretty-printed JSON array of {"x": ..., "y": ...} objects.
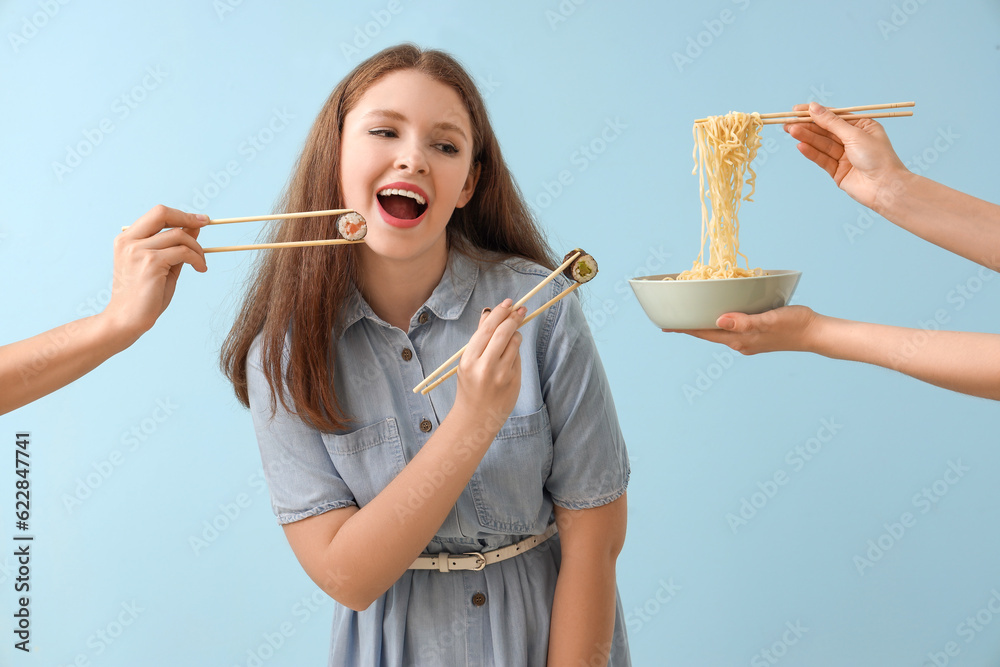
[{"x": 480, "y": 560}]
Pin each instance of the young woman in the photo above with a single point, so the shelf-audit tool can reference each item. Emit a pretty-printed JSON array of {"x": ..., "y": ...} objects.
[{"x": 426, "y": 516}]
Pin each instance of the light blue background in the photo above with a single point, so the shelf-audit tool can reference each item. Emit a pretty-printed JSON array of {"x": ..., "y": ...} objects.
[{"x": 697, "y": 593}]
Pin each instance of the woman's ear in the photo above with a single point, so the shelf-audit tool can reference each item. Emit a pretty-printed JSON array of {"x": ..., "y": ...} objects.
[{"x": 470, "y": 185}]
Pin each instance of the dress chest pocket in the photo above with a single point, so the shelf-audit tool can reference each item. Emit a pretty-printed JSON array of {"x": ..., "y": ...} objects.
[
  {"x": 368, "y": 458},
  {"x": 508, "y": 485}
]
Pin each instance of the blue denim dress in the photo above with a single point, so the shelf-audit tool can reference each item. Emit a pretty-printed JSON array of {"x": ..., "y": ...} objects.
[{"x": 561, "y": 445}]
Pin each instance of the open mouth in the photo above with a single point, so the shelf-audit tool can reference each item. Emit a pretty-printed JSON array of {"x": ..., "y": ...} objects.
[{"x": 402, "y": 204}]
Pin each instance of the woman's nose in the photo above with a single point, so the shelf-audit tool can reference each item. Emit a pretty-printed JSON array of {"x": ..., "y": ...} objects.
[{"x": 411, "y": 158}]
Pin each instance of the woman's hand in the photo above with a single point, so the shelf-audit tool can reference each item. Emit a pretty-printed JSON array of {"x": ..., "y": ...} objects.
[
  {"x": 790, "y": 328},
  {"x": 856, "y": 154},
  {"x": 147, "y": 263},
  {"x": 145, "y": 273},
  {"x": 489, "y": 372}
]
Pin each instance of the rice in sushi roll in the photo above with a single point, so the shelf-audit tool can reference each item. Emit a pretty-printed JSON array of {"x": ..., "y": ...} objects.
[
  {"x": 583, "y": 269},
  {"x": 352, "y": 226}
]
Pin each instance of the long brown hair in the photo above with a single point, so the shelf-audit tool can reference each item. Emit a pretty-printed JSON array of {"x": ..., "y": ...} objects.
[{"x": 303, "y": 290}]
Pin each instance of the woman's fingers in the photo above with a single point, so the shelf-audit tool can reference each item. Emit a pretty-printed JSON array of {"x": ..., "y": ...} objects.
[
  {"x": 827, "y": 163},
  {"x": 492, "y": 358},
  {"x": 774, "y": 330},
  {"x": 711, "y": 335},
  {"x": 821, "y": 141},
  {"x": 738, "y": 322},
  {"x": 177, "y": 255},
  {"x": 160, "y": 217},
  {"x": 488, "y": 322},
  {"x": 171, "y": 237},
  {"x": 510, "y": 360},
  {"x": 730, "y": 325},
  {"x": 182, "y": 231},
  {"x": 174, "y": 238},
  {"x": 834, "y": 124},
  {"x": 503, "y": 335}
]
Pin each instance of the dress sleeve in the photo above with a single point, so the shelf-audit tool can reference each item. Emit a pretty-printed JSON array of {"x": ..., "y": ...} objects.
[
  {"x": 590, "y": 465},
  {"x": 301, "y": 477}
]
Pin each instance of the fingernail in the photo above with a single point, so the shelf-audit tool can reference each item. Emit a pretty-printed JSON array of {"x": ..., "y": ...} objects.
[
  {"x": 202, "y": 217},
  {"x": 487, "y": 310},
  {"x": 507, "y": 303},
  {"x": 726, "y": 323},
  {"x": 816, "y": 106}
]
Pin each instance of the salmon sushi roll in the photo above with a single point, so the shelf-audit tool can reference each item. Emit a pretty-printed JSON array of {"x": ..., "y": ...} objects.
[{"x": 352, "y": 226}]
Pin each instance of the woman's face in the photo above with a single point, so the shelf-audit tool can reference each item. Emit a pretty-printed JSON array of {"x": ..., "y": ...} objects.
[{"x": 405, "y": 163}]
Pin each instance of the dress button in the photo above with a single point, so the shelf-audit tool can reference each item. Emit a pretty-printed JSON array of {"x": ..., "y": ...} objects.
[
  {"x": 407, "y": 354},
  {"x": 423, "y": 318},
  {"x": 426, "y": 426},
  {"x": 479, "y": 599}
]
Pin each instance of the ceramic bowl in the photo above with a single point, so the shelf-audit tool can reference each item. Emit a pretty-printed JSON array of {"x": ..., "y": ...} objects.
[{"x": 697, "y": 304}]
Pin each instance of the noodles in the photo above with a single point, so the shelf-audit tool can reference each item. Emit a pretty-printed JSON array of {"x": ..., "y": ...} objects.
[{"x": 724, "y": 147}]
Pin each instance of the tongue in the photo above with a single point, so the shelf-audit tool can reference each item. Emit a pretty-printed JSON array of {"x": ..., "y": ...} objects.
[{"x": 400, "y": 206}]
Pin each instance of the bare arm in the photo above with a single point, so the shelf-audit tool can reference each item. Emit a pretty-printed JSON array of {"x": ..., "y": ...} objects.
[
  {"x": 583, "y": 610},
  {"x": 860, "y": 159},
  {"x": 355, "y": 555},
  {"x": 147, "y": 264},
  {"x": 964, "y": 362}
]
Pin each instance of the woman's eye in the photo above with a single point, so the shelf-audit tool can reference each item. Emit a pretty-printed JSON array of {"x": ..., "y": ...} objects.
[
  {"x": 382, "y": 132},
  {"x": 447, "y": 148}
]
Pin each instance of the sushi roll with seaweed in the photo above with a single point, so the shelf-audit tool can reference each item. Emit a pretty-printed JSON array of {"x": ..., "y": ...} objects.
[
  {"x": 583, "y": 269},
  {"x": 352, "y": 226}
]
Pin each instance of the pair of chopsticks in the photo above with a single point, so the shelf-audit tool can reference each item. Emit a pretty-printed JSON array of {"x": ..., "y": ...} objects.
[
  {"x": 278, "y": 216},
  {"x": 430, "y": 383},
  {"x": 784, "y": 117}
]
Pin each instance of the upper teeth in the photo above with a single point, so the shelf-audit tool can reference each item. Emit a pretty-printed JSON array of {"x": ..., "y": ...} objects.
[{"x": 405, "y": 193}]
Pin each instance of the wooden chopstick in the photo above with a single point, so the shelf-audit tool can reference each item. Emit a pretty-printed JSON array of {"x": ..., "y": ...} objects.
[
  {"x": 548, "y": 304},
  {"x": 284, "y": 244},
  {"x": 867, "y": 107},
  {"x": 559, "y": 269},
  {"x": 275, "y": 216},
  {"x": 845, "y": 116},
  {"x": 804, "y": 114},
  {"x": 281, "y": 216}
]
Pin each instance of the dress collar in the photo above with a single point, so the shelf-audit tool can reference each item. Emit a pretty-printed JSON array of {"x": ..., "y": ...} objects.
[{"x": 447, "y": 301}]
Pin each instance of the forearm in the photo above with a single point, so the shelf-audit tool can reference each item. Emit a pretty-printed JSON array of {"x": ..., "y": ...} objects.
[
  {"x": 583, "y": 609},
  {"x": 32, "y": 368},
  {"x": 961, "y": 361},
  {"x": 583, "y": 613},
  {"x": 376, "y": 545},
  {"x": 960, "y": 223}
]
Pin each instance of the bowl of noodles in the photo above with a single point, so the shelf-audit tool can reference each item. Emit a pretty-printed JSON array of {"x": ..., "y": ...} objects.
[
  {"x": 697, "y": 304},
  {"x": 724, "y": 148}
]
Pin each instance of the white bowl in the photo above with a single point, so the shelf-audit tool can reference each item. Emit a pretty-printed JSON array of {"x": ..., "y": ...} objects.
[{"x": 697, "y": 304}]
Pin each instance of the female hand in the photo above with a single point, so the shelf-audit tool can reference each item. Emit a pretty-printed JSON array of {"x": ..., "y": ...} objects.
[
  {"x": 489, "y": 372},
  {"x": 147, "y": 263},
  {"x": 857, "y": 154},
  {"x": 789, "y": 328}
]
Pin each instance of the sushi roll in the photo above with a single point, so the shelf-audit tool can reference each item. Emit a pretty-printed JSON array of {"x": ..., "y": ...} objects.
[
  {"x": 352, "y": 226},
  {"x": 583, "y": 269}
]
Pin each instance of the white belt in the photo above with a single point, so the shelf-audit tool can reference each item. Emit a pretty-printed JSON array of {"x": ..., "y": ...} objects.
[{"x": 446, "y": 562}]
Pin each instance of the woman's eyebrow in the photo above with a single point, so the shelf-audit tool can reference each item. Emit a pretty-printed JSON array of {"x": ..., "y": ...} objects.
[
  {"x": 392, "y": 114},
  {"x": 452, "y": 128}
]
